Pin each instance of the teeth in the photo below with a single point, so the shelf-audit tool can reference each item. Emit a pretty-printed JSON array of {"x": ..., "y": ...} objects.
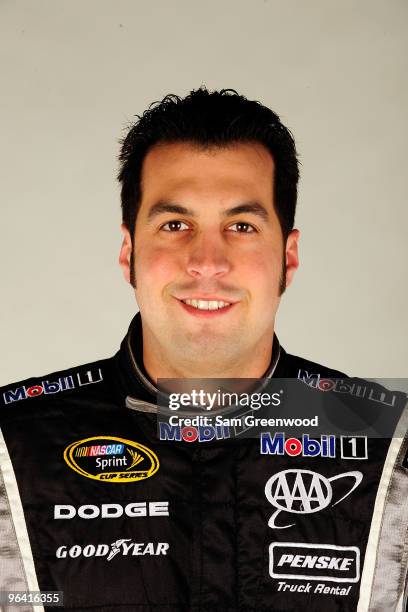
[{"x": 206, "y": 304}]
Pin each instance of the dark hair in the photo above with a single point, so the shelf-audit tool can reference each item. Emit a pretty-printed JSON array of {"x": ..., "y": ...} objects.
[{"x": 208, "y": 119}]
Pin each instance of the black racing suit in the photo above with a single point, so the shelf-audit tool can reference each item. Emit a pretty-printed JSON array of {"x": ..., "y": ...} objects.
[{"x": 93, "y": 504}]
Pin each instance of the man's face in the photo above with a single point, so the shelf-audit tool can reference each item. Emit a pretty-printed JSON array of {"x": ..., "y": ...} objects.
[{"x": 207, "y": 233}]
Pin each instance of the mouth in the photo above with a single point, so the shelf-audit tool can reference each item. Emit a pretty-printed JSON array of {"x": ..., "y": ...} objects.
[{"x": 206, "y": 308}]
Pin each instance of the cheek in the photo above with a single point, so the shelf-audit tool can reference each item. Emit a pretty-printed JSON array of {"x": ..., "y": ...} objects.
[
  {"x": 262, "y": 268},
  {"x": 155, "y": 267}
]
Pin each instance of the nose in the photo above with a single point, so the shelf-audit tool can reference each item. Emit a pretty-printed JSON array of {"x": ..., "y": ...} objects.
[{"x": 208, "y": 257}]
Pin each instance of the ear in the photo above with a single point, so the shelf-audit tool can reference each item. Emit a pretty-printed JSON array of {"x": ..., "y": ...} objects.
[
  {"x": 125, "y": 252},
  {"x": 292, "y": 256}
]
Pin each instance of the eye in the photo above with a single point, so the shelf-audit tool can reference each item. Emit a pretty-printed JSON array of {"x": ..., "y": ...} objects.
[
  {"x": 242, "y": 228},
  {"x": 174, "y": 226}
]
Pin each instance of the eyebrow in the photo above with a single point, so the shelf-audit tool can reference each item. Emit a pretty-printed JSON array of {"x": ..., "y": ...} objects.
[{"x": 247, "y": 207}]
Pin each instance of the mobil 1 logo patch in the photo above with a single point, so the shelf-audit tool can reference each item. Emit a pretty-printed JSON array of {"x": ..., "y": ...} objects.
[
  {"x": 351, "y": 447},
  {"x": 303, "y": 561}
]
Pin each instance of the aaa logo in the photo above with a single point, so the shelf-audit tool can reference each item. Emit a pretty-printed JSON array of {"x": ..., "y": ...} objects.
[{"x": 303, "y": 492}]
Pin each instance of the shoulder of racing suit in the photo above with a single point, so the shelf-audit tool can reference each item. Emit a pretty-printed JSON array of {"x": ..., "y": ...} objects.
[
  {"x": 88, "y": 380},
  {"x": 295, "y": 367}
]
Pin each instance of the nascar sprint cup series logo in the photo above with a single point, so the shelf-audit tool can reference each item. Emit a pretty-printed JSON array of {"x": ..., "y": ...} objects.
[{"x": 111, "y": 459}]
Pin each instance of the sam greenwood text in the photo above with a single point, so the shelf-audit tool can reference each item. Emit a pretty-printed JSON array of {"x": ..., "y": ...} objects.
[{"x": 248, "y": 420}]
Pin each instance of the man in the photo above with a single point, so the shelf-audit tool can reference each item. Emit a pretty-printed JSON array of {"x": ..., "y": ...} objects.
[
  {"x": 97, "y": 505},
  {"x": 209, "y": 227}
]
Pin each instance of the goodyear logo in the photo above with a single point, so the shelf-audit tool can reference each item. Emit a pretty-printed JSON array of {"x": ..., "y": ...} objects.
[{"x": 111, "y": 459}]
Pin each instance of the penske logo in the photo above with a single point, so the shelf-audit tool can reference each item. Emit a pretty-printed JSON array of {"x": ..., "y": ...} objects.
[
  {"x": 303, "y": 561},
  {"x": 111, "y": 459}
]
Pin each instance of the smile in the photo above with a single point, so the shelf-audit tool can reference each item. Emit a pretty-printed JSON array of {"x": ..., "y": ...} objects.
[
  {"x": 206, "y": 308},
  {"x": 206, "y": 304}
]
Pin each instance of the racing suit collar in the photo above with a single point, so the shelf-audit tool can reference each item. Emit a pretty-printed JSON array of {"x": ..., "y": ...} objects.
[{"x": 132, "y": 351}]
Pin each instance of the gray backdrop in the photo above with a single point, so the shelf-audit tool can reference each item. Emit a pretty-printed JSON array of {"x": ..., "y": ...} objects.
[{"x": 74, "y": 72}]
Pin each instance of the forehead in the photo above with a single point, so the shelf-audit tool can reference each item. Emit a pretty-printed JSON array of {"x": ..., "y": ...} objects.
[{"x": 175, "y": 170}]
